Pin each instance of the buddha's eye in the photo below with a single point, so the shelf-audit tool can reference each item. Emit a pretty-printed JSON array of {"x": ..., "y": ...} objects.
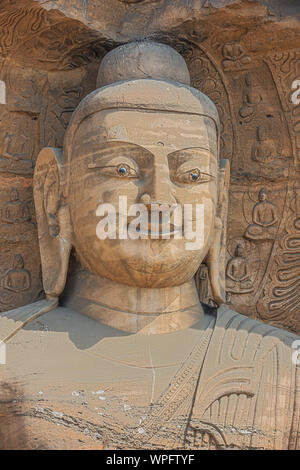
[
  {"x": 193, "y": 176},
  {"x": 121, "y": 170},
  {"x": 124, "y": 170}
]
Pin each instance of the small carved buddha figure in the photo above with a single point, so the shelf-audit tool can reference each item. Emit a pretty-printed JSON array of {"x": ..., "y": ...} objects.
[
  {"x": 263, "y": 150},
  {"x": 265, "y": 219},
  {"x": 17, "y": 279},
  {"x": 130, "y": 358},
  {"x": 234, "y": 56},
  {"x": 15, "y": 211},
  {"x": 203, "y": 284},
  {"x": 251, "y": 97},
  {"x": 16, "y": 150},
  {"x": 237, "y": 273}
]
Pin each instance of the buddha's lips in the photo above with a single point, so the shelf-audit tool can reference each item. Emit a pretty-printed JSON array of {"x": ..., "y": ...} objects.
[{"x": 157, "y": 230}]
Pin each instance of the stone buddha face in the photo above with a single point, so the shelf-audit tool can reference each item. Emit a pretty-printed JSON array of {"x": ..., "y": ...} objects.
[
  {"x": 166, "y": 158},
  {"x": 153, "y": 142},
  {"x": 239, "y": 251},
  {"x": 262, "y": 196},
  {"x": 18, "y": 262},
  {"x": 14, "y": 195}
]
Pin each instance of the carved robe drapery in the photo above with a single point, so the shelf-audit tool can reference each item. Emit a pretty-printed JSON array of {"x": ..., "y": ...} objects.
[{"x": 236, "y": 385}]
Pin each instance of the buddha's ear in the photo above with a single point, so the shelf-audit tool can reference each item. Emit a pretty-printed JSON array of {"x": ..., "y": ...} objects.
[
  {"x": 53, "y": 220},
  {"x": 216, "y": 257}
]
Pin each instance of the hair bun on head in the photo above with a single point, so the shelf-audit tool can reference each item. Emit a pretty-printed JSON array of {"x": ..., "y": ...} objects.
[
  {"x": 142, "y": 59},
  {"x": 143, "y": 76}
]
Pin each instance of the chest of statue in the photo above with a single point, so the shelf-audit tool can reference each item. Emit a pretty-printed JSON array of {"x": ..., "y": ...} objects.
[
  {"x": 131, "y": 391},
  {"x": 113, "y": 388}
]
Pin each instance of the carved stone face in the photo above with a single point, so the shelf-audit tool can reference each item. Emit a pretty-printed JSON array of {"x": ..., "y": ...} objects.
[
  {"x": 161, "y": 151},
  {"x": 14, "y": 195},
  {"x": 262, "y": 196},
  {"x": 18, "y": 262},
  {"x": 239, "y": 251}
]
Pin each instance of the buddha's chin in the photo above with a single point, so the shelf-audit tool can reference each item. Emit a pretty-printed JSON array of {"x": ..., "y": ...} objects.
[
  {"x": 155, "y": 273},
  {"x": 145, "y": 263}
]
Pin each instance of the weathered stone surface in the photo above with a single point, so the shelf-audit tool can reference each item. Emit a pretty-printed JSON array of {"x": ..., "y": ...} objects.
[
  {"x": 243, "y": 54},
  {"x": 130, "y": 330}
]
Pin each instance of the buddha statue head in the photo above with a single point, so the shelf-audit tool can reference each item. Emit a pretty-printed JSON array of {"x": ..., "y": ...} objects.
[
  {"x": 14, "y": 195},
  {"x": 239, "y": 250},
  {"x": 18, "y": 262},
  {"x": 262, "y": 195},
  {"x": 147, "y": 135}
]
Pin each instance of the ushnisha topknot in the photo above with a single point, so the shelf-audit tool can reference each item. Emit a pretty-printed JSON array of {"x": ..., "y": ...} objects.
[
  {"x": 162, "y": 85},
  {"x": 143, "y": 59}
]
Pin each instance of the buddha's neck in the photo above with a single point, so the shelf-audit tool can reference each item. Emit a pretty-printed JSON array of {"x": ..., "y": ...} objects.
[{"x": 134, "y": 309}]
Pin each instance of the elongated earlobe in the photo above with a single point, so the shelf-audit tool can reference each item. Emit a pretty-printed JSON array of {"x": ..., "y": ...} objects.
[
  {"x": 54, "y": 227},
  {"x": 216, "y": 257}
]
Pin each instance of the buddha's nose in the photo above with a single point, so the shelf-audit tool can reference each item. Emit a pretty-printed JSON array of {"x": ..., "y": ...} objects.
[
  {"x": 156, "y": 204},
  {"x": 158, "y": 189}
]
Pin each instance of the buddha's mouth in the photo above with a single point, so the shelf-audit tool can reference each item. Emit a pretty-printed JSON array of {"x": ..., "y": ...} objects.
[
  {"x": 156, "y": 231},
  {"x": 154, "y": 265}
]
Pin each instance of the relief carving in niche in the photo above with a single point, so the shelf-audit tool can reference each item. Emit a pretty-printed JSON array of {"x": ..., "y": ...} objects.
[
  {"x": 17, "y": 145},
  {"x": 264, "y": 224},
  {"x": 238, "y": 273},
  {"x": 234, "y": 56},
  {"x": 43, "y": 86},
  {"x": 263, "y": 240},
  {"x": 251, "y": 98}
]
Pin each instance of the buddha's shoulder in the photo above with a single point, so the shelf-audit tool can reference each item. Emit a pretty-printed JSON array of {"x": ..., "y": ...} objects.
[
  {"x": 27, "y": 323},
  {"x": 12, "y": 321},
  {"x": 229, "y": 325},
  {"x": 237, "y": 328}
]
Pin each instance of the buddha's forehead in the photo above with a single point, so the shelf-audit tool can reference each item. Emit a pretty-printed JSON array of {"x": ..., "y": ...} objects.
[{"x": 149, "y": 129}]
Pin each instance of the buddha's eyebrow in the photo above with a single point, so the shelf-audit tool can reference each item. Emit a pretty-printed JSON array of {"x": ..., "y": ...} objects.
[
  {"x": 188, "y": 150},
  {"x": 109, "y": 151}
]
